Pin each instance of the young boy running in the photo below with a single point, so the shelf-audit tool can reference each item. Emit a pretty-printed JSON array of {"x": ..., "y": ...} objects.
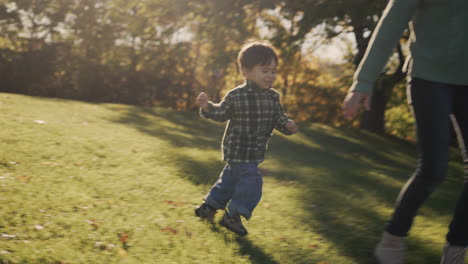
[{"x": 252, "y": 110}]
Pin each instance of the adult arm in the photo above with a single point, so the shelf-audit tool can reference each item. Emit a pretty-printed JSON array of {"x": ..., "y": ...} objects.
[{"x": 388, "y": 31}]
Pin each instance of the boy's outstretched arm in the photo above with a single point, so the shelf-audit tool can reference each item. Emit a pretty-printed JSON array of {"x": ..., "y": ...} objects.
[{"x": 219, "y": 112}]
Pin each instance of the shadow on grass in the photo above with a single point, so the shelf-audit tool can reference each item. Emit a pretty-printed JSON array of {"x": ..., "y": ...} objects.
[
  {"x": 345, "y": 159},
  {"x": 255, "y": 253},
  {"x": 246, "y": 246},
  {"x": 355, "y": 229},
  {"x": 181, "y": 129}
]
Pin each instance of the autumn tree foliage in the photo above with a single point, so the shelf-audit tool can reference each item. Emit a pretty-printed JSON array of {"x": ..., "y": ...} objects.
[{"x": 164, "y": 52}]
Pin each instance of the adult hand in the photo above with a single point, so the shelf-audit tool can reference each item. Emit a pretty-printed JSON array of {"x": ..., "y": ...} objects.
[
  {"x": 292, "y": 127},
  {"x": 202, "y": 101},
  {"x": 352, "y": 102}
]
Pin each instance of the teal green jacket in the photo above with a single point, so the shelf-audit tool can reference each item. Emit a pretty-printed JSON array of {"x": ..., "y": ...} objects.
[{"x": 438, "y": 42}]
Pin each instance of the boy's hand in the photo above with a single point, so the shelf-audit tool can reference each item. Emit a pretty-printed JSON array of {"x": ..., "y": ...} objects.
[
  {"x": 202, "y": 101},
  {"x": 292, "y": 127}
]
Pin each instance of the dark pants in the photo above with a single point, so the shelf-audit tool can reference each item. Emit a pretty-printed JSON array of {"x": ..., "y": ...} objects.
[{"x": 434, "y": 106}]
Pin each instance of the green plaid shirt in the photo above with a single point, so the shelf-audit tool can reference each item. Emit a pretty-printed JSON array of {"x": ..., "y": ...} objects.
[{"x": 253, "y": 114}]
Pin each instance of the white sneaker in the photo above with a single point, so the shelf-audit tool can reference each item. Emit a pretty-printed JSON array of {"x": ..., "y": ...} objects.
[
  {"x": 453, "y": 254},
  {"x": 390, "y": 249}
]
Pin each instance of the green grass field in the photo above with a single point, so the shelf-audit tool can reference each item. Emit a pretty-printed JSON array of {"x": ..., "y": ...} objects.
[{"x": 107, "y": 183}]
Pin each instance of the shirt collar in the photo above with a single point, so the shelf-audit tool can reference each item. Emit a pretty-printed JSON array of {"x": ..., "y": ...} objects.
[{"x": 252, "y": 87}]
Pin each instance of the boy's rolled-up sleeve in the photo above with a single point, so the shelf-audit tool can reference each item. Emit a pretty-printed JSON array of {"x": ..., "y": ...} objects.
[{"x": 220, "y": 112}]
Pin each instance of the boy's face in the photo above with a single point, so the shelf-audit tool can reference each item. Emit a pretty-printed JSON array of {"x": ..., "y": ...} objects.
[{"x": 262, "y": 75}]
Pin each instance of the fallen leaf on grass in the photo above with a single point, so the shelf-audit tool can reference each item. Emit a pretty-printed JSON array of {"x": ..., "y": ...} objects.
[
  {"x": 123, "y": 238},
  {"x": 174, "y": 203},
  {"x": 93, "y": 223},
  {"x": 170, "y": 230},
  {"x": 23, "y": 179}
]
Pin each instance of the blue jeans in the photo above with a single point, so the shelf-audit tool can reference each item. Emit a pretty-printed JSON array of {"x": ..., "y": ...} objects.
[
  {"x": 239, "y": 188},
  {"x": 434, "y": 106}
]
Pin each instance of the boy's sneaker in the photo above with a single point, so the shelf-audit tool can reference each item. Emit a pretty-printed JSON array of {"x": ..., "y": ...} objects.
[
  {"x": 205, "y": 212},
  {"x": 234, "y": 224}
]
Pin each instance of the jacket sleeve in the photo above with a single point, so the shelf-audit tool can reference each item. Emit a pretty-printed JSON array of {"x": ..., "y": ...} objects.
[
  {"x": 386, "y": 34},
  {"x": 220, "y": 112}
]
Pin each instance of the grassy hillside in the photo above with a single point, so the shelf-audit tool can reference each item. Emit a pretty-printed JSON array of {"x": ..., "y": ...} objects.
[{"x": 108, "y": 183}]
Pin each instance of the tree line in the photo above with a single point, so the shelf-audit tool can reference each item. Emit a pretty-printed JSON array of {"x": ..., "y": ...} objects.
[{"x": 163, "y": 52}]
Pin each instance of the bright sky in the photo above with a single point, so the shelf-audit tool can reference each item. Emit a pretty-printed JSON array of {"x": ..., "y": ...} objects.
[{"x": 334, "y": 50}]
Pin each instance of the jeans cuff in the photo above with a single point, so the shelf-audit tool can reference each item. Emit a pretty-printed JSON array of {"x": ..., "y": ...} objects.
[
  {"x": 213, "y": 203},
  {"x": 234, "y": 208}
]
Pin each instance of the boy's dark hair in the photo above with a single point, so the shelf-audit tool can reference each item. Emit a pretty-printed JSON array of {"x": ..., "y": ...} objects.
[{"x": 256, "y": 53}]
